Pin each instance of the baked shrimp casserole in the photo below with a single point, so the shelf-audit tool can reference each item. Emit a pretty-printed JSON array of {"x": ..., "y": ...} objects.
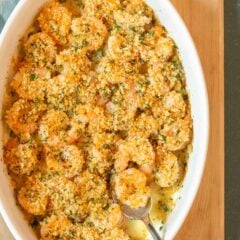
[{"x": 98, "y": 103}]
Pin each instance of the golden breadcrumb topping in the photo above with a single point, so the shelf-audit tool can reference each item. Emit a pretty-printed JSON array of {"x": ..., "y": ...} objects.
[{"x": 99, "y": 106}]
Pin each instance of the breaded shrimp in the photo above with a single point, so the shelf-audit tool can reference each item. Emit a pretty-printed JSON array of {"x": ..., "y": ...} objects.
[
  {"x": 53, "y": 129},
  {"x": 136, "y": 7},
  {"x": 33, "y": 197},
  {"x": 145, "y": 125},
  {"x": 87, "y": 33},
  {"x": 116, "y": 234},
  {"x": 121, "y": 50},
  {"x": 131, "y": 22},
  {"x": 65, "y": 197},
  {"x": 106, "y": 218},
  {"x": 167, "y": 168},
  {"x": 40, "y": 49},
  {"x": 30, "y": 82},
  {"x": 136, "y": 149},
  {"x": 87, "y": 232},
  {"x": 175, "y": 104},
  {"x": 99, "y": 160},
  {"x": 165, "y": 48},
  {"x": 102, "y": 9},
  {"x": 67, "y": 161},
  {"x": 57, "y": 226},
  {"x": 23, "y": 116},
  {"x": 73, "y": 63},
  {"x": 131, "y": 188},
  {"x": 61, "y": 93},
  {"x": 159, "y": 84},
  {"x": 157, "y": 46},
  {"x": 21, "y": 158},
  {"x": 92, "y": 188},
  {"x": 56, "y": 20},
  {"x": 176, "y": 134}
]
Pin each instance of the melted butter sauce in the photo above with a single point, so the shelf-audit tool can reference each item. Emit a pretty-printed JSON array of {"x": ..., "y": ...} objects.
[{"x": 163, "y": 204}]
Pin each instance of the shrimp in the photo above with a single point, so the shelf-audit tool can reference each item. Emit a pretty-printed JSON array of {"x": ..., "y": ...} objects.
[
  {"x": 40, "y": 49},
  {"x": 135, "y": 22},
  {"x": 159, "y": 84},
  {"x": 92, "y": 189},
  {"x": 146, "y": 99},
  {"x": 176, "y": 134},
  {"x": 110, "y": 72},
  {"x": 172, "y": 106},
  {"x": 99, "y": 155},
  {"x": 106, "y": 218},
  {"x": 123, "y": 106},
  {"x": 157, "y": 46},
  {"x": 73, "y": 160},
  {"x": 53, "y": 129},
  {"x": 56, "y": 20},
  {"x": 99, "y": 160},
  {"x": 30, "y": 82},
  {"x": 79, "y": 120},
  {"x": 175, "y": 104},
  {"x": 74, "y": 64},
  {"x": 61, "y": 93},
  {"x": 21, "y": 158},
  {"x": 23, "y": 116},
  {"x": 167, "y": 169},
  {"x": 136, "y": 149},
  {"x": 98, "y": 120},
  {"x": 165, "y": 48},
  {"x": 116, "y": 234},
  {"x": 85, "y": 116},
  {"x": 159, "y": 112},
  {"x": 103, "y": 140},
  {"x": 69, "y": 160},
  {"x": 64, "y": 196},
  {"x": 120, "y": 49},
  {"x": 137, "y": 6},
  {"x": 102, "y": 9},
  {"x": 33, "y": 197},
  {"x": 120, "y": 117},
  {"x": 57, "y": 226},
  {"x": 131, "y": 188},
  {"x": 87, "y": 33},
  {"x": 86, "y": 89},
  {"x": 87, "y": 232},
  {"x": 145, "y": 125}
]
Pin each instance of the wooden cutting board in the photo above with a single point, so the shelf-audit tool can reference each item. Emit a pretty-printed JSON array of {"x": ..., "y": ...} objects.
[
  {"x": 205, "y": 221},
  {"x": 204, "y": 19}
]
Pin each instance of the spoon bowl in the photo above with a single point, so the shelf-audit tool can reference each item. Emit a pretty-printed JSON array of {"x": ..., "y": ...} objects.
[{"x": 139, "y": 214}]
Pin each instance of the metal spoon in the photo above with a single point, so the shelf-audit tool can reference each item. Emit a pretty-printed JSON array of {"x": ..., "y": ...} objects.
[{"x": 141, "y": 214}]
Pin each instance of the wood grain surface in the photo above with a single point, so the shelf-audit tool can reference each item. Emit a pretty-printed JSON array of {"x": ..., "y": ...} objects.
[
  {"x": 204, "y": 19},
  {"x": 205, "y": 221}
]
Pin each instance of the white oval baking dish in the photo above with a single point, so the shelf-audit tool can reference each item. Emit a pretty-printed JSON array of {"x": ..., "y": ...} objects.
[{"x": 21, "y": 19}]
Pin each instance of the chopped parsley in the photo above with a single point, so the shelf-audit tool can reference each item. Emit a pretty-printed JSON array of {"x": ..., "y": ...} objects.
[
  {"x": 164, "y": 138},
  {"x": 79, "y": 3},
  {"x": 117, "y": 27},
  {"x": 161, "y": 228},
  {"x": 33, "y": 77},
  {"x": 76, "y": 48},
  {"x": 100, "y": 53},
  {"x": 84, "y": 43},
  {"x": 151, "y": 34}
]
